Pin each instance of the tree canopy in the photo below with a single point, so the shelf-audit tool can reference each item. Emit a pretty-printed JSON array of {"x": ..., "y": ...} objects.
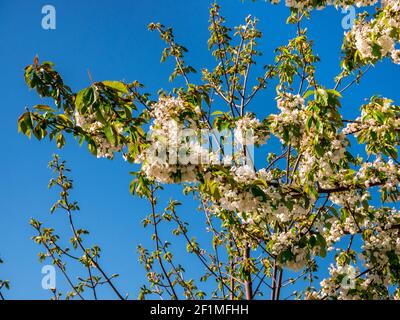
[{"x": 312, "y": 196}]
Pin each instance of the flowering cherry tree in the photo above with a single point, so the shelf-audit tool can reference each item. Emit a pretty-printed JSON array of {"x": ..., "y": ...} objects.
[{"x": 273, "y": 223}]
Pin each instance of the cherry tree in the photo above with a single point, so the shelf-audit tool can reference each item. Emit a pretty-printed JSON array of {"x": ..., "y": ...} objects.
[{"x": 272, "y": 223}]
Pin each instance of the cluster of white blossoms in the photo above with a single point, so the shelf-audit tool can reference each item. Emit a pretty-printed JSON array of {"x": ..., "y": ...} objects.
[
  {"x": 89, "y": 123},
  {"x": 288, "y": 102},
  {"x": 267, "y": 206},
  {"x": 342, "y": 280},
  {"x": 285, "y": 245},
  {"x": 245, "y": 173},
  {"x": 179, "y": 144},
  {"x": 169, "y": 159},
  {"x": 250, "y": 130},
  {"x": 323, "y": 168},
  {"x": 383, "y": 239},
  {"x": 233, "y": 198},
  {"x": 173, "y": 156},
  {"x": 287, "y": 242},
  {"x": 381, "y": 247},
  {"x": 377, "y": 38},
  {"x": 166, "y": 173},
  {"x": 301, "y": 4},
  {"x": 237, "y": 196},
  {"x": 386, "y": 174},
  {"x": 338, "y": 149},
  {"x": 334, "y": 233},
  {"x": 357, "y": 126},
  {"x": 345, "y": 198},
  {"x": 290, "y": 120},
  {"x": 344, "y": 285},
  {"x": 171, "y": 108},
  {"x": 334, "y": 228},
  {"x": 369, "y": 121}
]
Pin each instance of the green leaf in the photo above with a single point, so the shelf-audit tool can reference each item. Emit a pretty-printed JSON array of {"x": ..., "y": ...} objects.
[
  {"x": 60, "y": 140},
  {"x": 309, "y": 123},
  {"x": 116, "y": 85},
  {"x": 322, "y": 97},
  {"x": 43, "y": 107},
  {"x": 63, "y": 118},
  {"x": 108, "y": 131},
  {"x": 85, "y": 99},
  {"x": 308, "y": 93},
  {"x": 92, "y": 146}
]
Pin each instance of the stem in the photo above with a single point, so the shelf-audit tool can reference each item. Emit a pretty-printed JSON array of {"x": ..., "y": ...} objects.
[
  {"x": 223, "y": 50},
  {"x": 248, "y": 283},
  {"x": 356, "y": 79},
  {"x": 198, "y": 254},
  {"x": 232, "y": 267},
  {"x": 274, "y": 280},
  {"x": 279, "y": 285},
  {"x": 67, "y": 207},
  {"x": 91, "y": 281},
  {"x": 62, "y": 269},
  {"x": 152, "y": 201},
  {"x": 216, "y": 235},
  {"x": 288, "y": 164},
  {"x": 91, "y": 258}
]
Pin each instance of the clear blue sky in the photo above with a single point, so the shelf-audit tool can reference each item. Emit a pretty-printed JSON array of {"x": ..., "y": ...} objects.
[{"x": 111, "y": 39}]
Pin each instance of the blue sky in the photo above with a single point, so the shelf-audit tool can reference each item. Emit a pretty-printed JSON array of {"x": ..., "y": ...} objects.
[{"x": 111, "y": 39}]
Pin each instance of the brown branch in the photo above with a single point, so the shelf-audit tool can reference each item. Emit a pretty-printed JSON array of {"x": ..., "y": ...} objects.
[{"x": 152, "y": 202}]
